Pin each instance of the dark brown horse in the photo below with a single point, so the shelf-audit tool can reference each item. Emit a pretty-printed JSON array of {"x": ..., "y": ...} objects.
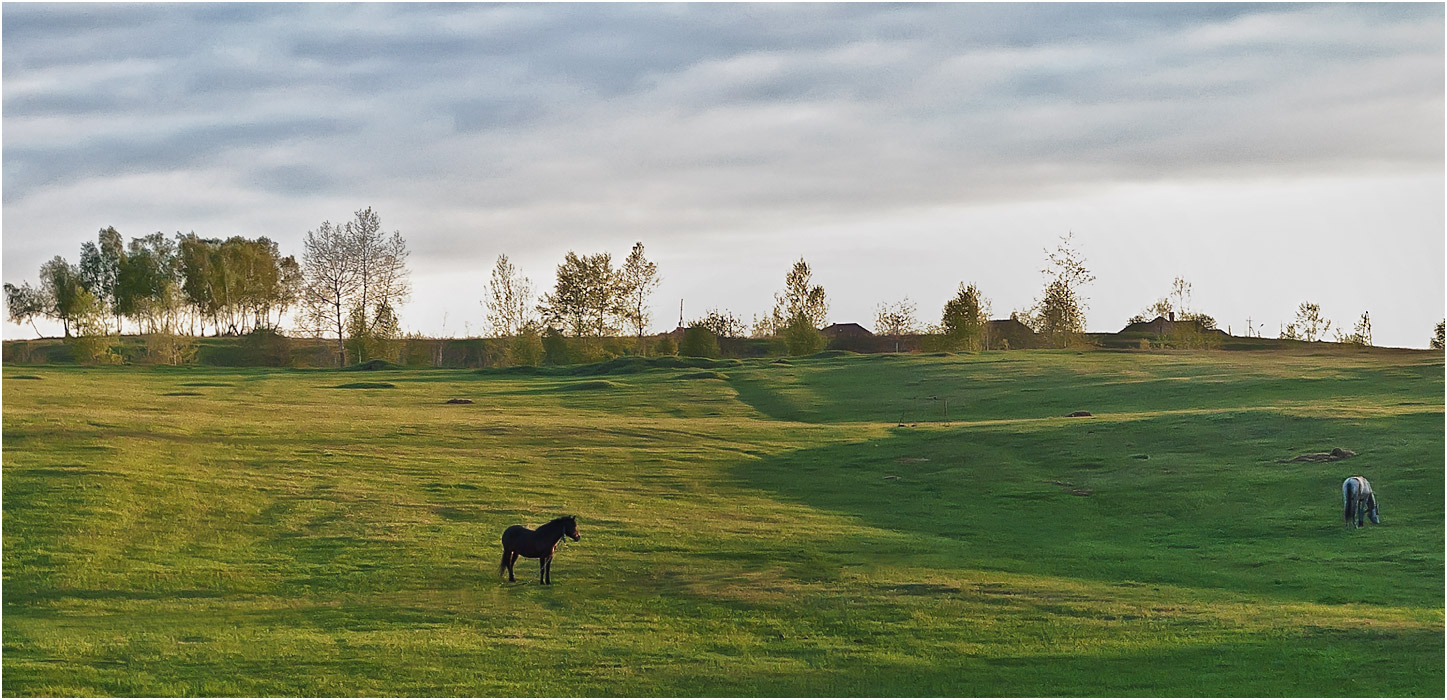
[{"x": 540, "y": 544}]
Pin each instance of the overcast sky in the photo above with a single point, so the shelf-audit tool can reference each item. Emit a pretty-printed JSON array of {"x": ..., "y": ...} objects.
[{"x": 1269, "y": 154}]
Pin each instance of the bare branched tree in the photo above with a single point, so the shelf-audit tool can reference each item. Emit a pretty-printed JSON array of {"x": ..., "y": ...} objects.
[
  {"x": 1059, "y": 314},
  {"x": 331, "y": 282},
  {"x": 509, "y": 300},
  {"x": 637, "y": 280}
]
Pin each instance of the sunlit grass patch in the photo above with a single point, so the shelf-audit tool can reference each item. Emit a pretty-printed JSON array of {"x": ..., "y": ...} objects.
[{"x": 771, "y": 531}]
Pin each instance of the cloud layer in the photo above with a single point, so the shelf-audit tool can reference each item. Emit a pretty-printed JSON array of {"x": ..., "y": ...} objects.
[{"x": 492, "y": 128}]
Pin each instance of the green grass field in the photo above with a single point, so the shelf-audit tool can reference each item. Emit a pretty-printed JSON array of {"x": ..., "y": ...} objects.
[{"x": 753, "y": 529}]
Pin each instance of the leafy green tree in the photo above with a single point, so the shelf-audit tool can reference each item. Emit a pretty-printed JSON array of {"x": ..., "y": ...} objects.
[
  {"x": 698, "y": 342},
  {"x": 966, "y": 319},
  {"x": 665, "y": 345},
  {"x": 509, "y": 300},
  {"x": 1309, "y": 325},
  {"x": 1059, "y": 313},
  {"x": 25, "y": 303},
  {"x": 637, "y": 280},
  {"x": 1438, "y": 342},
  {"x": 148, "y": 287},
  {"x": 60, "y": 283},
  {"x": 196, "y": 257},
  {"x": 585, "y": 299}
]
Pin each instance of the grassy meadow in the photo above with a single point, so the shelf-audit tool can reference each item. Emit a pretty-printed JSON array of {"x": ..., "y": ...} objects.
[{"x": 808, "y": 527}]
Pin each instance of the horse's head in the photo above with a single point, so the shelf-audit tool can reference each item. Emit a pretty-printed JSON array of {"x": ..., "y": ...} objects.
[{"x": 570, "y": 527}]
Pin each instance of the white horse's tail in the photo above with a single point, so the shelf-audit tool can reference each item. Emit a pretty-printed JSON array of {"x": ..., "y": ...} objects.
[{"x": 1349, "y": 499}]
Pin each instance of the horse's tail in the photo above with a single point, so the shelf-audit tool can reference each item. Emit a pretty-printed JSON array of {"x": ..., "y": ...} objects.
[
  {"x": 502, "y": 567},
  {"x": 1349, "y": 499}
]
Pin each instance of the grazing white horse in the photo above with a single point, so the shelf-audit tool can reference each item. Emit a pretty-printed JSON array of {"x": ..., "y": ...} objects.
[{"x": 1358, "y": 501}]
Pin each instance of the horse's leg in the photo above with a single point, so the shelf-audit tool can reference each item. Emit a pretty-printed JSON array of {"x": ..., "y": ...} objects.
[
  {"x": 544, "y": 564},
  {"x": 512, "y": 558}
]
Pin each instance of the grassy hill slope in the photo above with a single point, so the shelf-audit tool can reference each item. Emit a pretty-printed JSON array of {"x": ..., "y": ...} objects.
[{"x": 810, "y": 527}]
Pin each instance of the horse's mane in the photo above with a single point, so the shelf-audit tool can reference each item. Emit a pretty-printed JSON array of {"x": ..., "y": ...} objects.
[{"x": 557, "y": 522}]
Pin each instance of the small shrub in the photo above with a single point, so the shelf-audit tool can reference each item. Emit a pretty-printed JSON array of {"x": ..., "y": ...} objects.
[
  {"x": 265, "y": 347},
  {"x": 170, "y": 349},
  {"x": 802, "y": 338},
  {"x": 555, "y": 347},
  {"x": 699, "y": 342},
  {"x": 526, "y": 348}
]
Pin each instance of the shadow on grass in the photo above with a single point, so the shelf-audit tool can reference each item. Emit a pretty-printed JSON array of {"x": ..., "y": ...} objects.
[
  {"x": 1208, "y": 508},
  {"x": 1308, "y": 665}
]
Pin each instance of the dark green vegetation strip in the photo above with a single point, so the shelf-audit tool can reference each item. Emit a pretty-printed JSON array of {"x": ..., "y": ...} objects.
[
  {"x": 776, "y": 532},
  {"x": 367, "y": 385}
]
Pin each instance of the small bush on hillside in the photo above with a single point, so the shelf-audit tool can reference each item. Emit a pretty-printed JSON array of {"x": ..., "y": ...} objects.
[
  {"x": 555, "y": 347},
  {"x": 699, "y": 342},
  {"x": 265, "y": 347},
  {"x": 93, "y": 343},
  {"x": 665, "y": 346},
  {"x": 802, "y": 338},
  {"x": 526, "y": 348},
  {"x": 170, "y": 349}
]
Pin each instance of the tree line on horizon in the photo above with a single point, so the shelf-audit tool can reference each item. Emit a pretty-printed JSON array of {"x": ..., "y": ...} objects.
[{"x": 353, "y": 278}]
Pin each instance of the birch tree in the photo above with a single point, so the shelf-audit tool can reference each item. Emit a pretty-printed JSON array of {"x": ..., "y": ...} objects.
[
  {"x": 637, "y": 280},
  {"x": 509, "y": 300}
]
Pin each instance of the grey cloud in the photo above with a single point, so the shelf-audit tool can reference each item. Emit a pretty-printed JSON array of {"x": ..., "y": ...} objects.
[
  {"x": 28, "y": 167},
  {"x": 292, "y": 180},
  {"x": 854, "y": 104}
]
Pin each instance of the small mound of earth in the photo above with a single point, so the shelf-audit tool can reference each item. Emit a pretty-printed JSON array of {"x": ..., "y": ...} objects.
[
  {"x": 1336, "y": 453},
  {"x": 593, "y": 385},
  {"x": 372, "y": 366},
  {"x": 459, "y": 401},
  {"x": 1079, "y": 414}
]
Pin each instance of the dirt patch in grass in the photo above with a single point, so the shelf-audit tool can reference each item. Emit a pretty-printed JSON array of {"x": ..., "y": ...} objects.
[
  {"x": 372, "y": 366},
  {"x": 1336, "y": 454},
  {"x": 590, "y": 385},
  {"x": 459, "y": 401}
]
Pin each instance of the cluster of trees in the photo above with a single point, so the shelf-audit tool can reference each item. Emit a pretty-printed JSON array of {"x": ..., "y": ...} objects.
[
  {"x": 590, "y": 300},
  {"x": 353, "y": 277},
  {"x": 165, "y": 287},
  {"x": 349, "y": 283}
]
